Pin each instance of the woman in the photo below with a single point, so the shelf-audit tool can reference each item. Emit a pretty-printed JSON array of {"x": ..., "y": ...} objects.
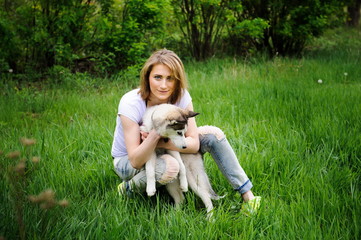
[{"x": 163, "y": 80}]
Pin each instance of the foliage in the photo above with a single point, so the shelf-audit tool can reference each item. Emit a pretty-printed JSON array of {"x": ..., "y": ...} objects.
[
  {"x": 244, "y": 33},
  {"x": 292, "y": 24},
  {"x": 131, "y": 27},
  {"x": 47, "y": 32},
  {"x": 106, "y": 36},
  {"x": 86, "y": 35},
  {"x": 354, "y": 12},
  {"x": 201, "y": 22},
  {"x": 8, "y": 42}
]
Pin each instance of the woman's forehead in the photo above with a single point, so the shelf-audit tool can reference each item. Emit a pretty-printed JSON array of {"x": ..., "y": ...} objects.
[{"x": 161, "y": 69}]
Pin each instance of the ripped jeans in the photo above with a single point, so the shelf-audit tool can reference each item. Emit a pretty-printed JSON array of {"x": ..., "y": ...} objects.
[{"x": 212, "y": 140}]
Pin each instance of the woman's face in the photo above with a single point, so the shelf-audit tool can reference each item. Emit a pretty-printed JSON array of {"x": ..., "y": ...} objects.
[{"x": 162, "y": 84}]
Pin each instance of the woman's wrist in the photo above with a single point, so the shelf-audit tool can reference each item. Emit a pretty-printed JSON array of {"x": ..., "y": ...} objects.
[{"x": 153, "y": 135}]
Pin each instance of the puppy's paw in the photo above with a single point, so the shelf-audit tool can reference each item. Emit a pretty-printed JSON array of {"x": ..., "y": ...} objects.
[
  {"x": 210, "y": 217},
  {"x": 151, "y": 191},
  {"x": 184, "y": 187},
  {"x": 184, "y": 184}
]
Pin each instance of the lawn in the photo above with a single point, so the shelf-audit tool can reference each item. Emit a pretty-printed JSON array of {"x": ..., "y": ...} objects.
[{"x": 294, "y": 124}]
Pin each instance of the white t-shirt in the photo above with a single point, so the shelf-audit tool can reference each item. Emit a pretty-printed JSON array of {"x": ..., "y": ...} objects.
[{"x": 132, "y": 105}]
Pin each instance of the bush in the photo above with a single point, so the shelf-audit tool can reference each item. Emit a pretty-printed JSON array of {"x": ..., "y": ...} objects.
[
  {"x": 8, "y": 46},
  {"x": 292, "y": 24},
  {"x": 130, "y": 32},
  {"x": 201, "y": 23},
  {"x": 244, "y": 35}
]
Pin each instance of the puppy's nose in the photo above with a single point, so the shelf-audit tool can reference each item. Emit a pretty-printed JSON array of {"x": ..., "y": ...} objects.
[{"x": 184, "y": 147}]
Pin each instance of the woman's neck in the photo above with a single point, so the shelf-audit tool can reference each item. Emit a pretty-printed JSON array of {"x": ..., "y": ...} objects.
[{"x": 152, "y": 102}]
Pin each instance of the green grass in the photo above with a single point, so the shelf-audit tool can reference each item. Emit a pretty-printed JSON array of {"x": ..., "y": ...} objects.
[{"x": 298, "y": 140}]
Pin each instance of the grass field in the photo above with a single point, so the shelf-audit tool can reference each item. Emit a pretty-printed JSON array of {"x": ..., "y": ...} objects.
[{"x": 294, "y": 124}]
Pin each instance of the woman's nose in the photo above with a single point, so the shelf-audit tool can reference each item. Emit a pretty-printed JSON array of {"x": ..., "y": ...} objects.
[{"x": 163, "y": 83}]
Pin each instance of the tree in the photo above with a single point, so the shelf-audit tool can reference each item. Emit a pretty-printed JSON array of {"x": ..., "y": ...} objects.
[
  {"x": 353, "y": 10},
  {"x": 201, "y": 22},
  {"x": 244, "y": 32},
  {"x": 131, "y": 27},
  {"x": 47, "y": 32},
  {"x": 83, "y": 35},
  {"x": 293, "y": 23}
]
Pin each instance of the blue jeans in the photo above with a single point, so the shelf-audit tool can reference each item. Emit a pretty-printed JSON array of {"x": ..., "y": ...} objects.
[
  {"x": 216, "y": 144},
  {"x": 136, "y": 178},
  {"x": 226, "y": 160}
]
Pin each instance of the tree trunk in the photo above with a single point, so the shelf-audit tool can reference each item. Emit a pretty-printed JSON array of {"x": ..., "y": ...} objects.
[{"x": 354, "y": 13}]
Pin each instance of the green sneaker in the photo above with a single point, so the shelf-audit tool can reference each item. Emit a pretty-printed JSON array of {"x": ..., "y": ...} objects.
[
  {"x": 124, "y": 189},
  {"x": 251, "y": 207}
]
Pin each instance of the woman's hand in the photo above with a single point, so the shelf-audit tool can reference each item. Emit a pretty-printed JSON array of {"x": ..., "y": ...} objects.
[
  {"x": 138, "y": 150},
  {"x": 143, "y": 135},
  {"x": 164, "y": 143},
  {"x": 152, "y": 134}
]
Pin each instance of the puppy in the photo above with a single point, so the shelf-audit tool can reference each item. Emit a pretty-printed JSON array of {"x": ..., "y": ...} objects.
[{"x": 170, "y": 122}]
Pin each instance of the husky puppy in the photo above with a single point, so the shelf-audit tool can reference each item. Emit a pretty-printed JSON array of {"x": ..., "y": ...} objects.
[{"x": 171, "y": 122}]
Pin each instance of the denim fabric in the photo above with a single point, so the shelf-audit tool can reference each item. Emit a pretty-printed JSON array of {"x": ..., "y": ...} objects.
[
  {"x": 221, "y": 152},
  {"x": 226, "y": 161},
  {"x": 137, "y": 179},
  {"x": 124, "y": 169}
]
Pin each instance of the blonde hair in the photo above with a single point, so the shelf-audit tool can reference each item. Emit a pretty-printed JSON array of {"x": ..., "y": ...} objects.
[{"x": 171, "y": 60}]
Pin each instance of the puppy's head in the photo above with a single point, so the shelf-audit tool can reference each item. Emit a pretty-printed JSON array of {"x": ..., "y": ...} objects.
[
  {"x": 177, "y": 127},
  {"x": 172, "y": 124}
]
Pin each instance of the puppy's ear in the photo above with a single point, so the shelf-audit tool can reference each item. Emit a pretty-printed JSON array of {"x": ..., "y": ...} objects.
[{"x": 192, "y": 114}]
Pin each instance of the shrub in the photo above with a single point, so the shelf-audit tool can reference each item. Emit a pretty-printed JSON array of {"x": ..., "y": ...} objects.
[
  {"x": 201, "y": 23},
  {"x": 130, "y": 29},
  {"x": 292, "y": 24}
]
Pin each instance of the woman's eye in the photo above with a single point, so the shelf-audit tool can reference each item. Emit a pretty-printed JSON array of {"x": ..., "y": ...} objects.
[
  {"x": 157, "y": 77},
  {"x": 170, "y": 78}
]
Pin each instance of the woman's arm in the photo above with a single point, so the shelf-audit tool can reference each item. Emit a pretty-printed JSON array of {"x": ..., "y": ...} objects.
[
  {"x": 138, "y": 152},
  {"x": 192, "y": 138}
]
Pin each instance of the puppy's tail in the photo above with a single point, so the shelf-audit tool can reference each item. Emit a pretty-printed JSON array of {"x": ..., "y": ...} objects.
[{"x": 197, "y": 177}]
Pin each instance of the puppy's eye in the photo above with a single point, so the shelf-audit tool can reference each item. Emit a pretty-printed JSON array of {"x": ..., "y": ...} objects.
[{"x": 180, "y": 133}]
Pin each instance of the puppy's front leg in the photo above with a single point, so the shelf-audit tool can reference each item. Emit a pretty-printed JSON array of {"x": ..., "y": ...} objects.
[
  {"x": 182, "y": 171},
  {"x": 150, "y": 173}
]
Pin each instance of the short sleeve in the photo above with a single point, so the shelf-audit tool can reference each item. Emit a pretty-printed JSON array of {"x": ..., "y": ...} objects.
[
  {"x": 132, "y": 106},
  {"x": 185, "y": 100}
]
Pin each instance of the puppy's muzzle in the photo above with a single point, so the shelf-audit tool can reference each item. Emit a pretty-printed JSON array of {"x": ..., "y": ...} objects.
[{"x": 167, "y": 139}]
